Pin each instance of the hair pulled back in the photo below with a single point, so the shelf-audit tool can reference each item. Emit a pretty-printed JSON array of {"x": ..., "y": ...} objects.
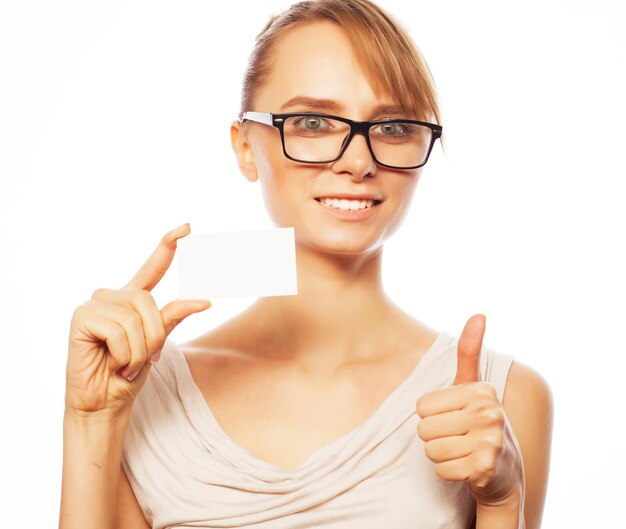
[{"x": 389, "y": 58}]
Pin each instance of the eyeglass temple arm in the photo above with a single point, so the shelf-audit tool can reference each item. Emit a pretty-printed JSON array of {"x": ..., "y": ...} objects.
[{"x": 259, "y": 117}]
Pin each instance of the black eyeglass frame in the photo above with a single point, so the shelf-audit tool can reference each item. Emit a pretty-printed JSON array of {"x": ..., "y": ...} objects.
[{"x": 362, "y": 127}]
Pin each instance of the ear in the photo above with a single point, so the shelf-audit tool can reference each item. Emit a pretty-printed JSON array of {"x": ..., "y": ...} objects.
[{"x": 240, "y": 142}]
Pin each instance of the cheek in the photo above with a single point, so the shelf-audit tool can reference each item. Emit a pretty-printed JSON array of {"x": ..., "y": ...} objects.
[
  {"x": 287, "y": 189},
  {"x": 402, "y": 191},
  {"x": 282, "y": 186}
]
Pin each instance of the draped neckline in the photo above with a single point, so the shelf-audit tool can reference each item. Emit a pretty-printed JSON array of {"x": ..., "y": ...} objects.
[{"x": 206, "y": 423}]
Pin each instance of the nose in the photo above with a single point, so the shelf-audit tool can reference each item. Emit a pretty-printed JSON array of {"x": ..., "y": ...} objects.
[{"x": 357, "y": 159}]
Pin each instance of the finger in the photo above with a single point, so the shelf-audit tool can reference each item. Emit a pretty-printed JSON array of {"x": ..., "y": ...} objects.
[
  {"x": 109, "y": 332},
  {"x": 448, "y": 448},
  {"x": 443, "y": 400},
  {"x": 477, "y": 468},
  {"x": 131, "y": 323},
  {"x": 443, "y": 425},
  {"x": 142, "y": 302},
  {"x": 176, "y": 311},
  {"x": 468, "y": 350},
  {"x": 455, "y": 469},
  {"x": 157, "y": 264}
]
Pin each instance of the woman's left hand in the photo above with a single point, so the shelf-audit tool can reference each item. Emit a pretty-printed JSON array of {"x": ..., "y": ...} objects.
[{"x": 466, "y": 430}]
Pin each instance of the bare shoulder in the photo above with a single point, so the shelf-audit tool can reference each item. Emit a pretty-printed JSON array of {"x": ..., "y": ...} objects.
[
  {"x": 528, "y": 404},
  {"x": 223, "y": 357},
  {"x": 526, "y": 387},
  {"x": 227, "y": 342}
]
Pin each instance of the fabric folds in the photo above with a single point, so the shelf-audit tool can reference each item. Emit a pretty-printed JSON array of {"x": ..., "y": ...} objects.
[{"x": 186, "y": 471}]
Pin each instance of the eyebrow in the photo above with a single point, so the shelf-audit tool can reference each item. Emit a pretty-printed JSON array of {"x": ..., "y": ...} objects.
[{"x": 334, "y": 106}]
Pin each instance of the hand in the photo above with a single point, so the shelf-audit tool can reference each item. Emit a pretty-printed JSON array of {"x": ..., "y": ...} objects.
[
  {"x": 466, "y": 431},
  {"x": 113, "y": 336}
]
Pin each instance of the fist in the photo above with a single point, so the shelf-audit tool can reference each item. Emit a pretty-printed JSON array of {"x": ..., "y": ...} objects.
[{"x": 465, "y": 429}]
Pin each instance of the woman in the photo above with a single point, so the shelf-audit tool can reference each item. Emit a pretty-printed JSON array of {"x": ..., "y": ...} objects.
[{"x": 332, "y": 408}]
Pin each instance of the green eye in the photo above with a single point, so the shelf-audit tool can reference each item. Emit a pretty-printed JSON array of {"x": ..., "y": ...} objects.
[
  {"x": 312, "y": 123},
  {"x": 309, "y": 124},
  {"x": 391, "y": 129}
]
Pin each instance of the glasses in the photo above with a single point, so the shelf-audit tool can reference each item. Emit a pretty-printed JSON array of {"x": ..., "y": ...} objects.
[{"x": 322, "y": 138}]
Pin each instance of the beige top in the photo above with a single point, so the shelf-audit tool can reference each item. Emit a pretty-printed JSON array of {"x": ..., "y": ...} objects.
[{"x": 186, "y": 471}]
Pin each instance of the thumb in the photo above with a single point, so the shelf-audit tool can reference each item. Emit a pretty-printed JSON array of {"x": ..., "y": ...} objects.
[
  {"x": 176, "y": 311},
  {"x": 468, "y": 350}
]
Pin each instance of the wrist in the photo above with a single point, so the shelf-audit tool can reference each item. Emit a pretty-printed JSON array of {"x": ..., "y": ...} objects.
[
  {"x": 100, "y": 418},
  {"x": 103, "y": 431},
  {"x": 93, "y": 445},
  {"x": 96, "y": 438},
  {"x": 506, "y": 513}
]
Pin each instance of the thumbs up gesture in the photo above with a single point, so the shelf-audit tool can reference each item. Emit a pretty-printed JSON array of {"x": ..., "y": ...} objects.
[{"x": 465, "y": 429}]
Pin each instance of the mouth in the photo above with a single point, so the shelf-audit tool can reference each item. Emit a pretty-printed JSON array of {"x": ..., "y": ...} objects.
[{"x": 352, "y": 204}]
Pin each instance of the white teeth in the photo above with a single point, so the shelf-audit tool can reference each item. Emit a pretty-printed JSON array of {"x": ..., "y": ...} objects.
[{"x": 342, "y": 203}]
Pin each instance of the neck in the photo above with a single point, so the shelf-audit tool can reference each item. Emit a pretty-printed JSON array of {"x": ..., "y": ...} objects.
[{"x": 340, "y": 314}]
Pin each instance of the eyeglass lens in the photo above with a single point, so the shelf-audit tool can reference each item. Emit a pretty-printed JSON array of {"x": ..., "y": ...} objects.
[{"x": 317, "y": 139}]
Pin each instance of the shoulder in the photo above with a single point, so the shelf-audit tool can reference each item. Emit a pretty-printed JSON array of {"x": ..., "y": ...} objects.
[
  {"x": 218, "y": 363},
  {"x": 528, "y": 406},
  {"x": 234, "y": 339},
  {"x": 528, "y": 403},
  {"x": 215, "y": 352},
  {"x": 526, "y": 388}
]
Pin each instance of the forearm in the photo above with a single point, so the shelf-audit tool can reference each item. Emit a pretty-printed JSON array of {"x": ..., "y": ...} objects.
[
  {"x": 508, "y": 515},
  {"x": 92, "y": 452}
]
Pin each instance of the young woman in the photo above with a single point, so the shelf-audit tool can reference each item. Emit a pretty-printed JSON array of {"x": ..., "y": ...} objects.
[{"x": 332, "y": 408}]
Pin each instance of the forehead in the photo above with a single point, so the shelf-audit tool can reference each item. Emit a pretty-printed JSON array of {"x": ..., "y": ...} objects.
[{"x": 317, "y": 60}]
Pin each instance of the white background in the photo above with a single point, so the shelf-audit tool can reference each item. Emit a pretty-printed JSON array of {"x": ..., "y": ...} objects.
[{"x": 114, "y": 122}]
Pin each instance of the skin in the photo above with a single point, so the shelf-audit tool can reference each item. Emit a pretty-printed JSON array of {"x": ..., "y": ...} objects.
[
  {"x": 114, "y": 339},
  {"x": 342, "y": 345},
  {"x": 337, "y": 260}
]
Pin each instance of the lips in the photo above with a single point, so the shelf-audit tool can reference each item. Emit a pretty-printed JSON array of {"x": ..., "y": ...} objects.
[
  {"x": 376, "y": 201},
  {"x": 352, "y": 210}
]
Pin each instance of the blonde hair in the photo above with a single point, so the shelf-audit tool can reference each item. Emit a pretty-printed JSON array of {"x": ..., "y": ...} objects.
[{"x": 385, "y": 51}]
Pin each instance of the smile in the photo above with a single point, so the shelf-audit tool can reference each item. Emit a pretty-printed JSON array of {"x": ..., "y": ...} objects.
[
  {"x": 349, "y": 209},
  {"x": 342, "y": 203}
]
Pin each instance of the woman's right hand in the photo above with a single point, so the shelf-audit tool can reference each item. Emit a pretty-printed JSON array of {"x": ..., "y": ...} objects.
[{"x": 119, "y": 333}]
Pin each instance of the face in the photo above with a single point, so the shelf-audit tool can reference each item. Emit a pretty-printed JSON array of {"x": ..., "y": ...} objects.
[{"x": 316, "y": 61}]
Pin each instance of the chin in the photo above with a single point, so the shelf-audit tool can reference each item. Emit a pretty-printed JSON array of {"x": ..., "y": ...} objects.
[
  {"x": 342, "y": 243},
  {"x": 335, "y": 236}
]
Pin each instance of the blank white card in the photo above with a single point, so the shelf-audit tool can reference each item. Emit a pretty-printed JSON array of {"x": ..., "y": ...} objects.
[{"x": 238, "y": 263}]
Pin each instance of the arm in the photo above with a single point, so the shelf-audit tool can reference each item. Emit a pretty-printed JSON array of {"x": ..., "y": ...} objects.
[
  {"x": 529, "y": 407},
  {"x": 112, "y": 337},
  {"x": 92, "y": 452},
  {"x": 507, "y": 515},
  {"x": 501, "y": 448},
  {"x": 129, "y": 513}
]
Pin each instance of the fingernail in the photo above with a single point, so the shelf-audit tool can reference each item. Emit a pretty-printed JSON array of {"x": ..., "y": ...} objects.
[
  {"x": 155, "y": 357},
  {"x": 132, "y": 376}
]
